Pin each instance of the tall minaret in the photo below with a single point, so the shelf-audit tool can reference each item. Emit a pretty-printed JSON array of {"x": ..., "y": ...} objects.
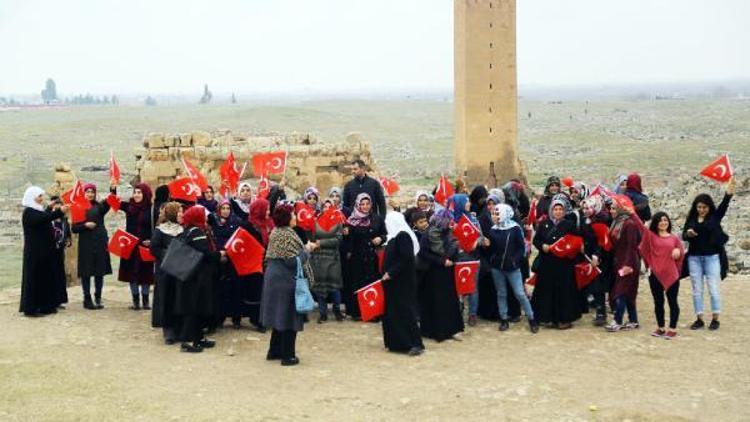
[{"x": 486, "y": 89}]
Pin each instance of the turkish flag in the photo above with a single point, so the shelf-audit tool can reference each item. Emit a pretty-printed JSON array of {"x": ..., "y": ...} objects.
[
  {"x": 390, "y": 186},
  {"x": 380, "y": 255},
  {"x": 185, "y": 189},
  {"x": 330, "y": 218},
  {"x": 122, "y": 244},
  {"x": 371, "y": 299},
  {"x": 76, "y": 195},
  {"x": 602, "y": 236},
  {"x": 245, "y": 252},
  {"x": 464, "y": 274},
  {"x": 269, "y": 163},
  {"x": 444, "y": 191},
  {"x": 585, "y": 274},
  {"x": 230, "y": 176},
  {"x": 78, "y": 213},
  {"x": 466, "y": 233},
  {"x": 113, "y": 201},
  {"x": 195, "y": 175},
  {"x": 305, "y": 216},
  {"x": 601, "y": 190},
  {"x": 720, "y": 170},
  {"x": 145, "y": 254},
  {"x": 567, "y": 181},
  {"x": 532, "y": 280},
  {"x": 264, "y": 187},
  {"x": 114, "y": 169},
  {"x": 568, "y": 246},
  {"x": 531, "y": 219}
]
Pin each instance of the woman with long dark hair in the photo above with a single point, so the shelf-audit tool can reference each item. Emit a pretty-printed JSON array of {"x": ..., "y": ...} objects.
[
  {"x": 135, "y": 270},
  {"x": 663, "y": 254},
  {"x": 706, "y": 255}
]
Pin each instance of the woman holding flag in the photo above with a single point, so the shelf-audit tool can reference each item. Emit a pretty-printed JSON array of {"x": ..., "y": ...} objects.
[
  {"x": 595, "y": 229},
  {"x": 460, "y": 205},
  {"x": 555, "y": 298},
  {"x": 326, "y": 260},
  {"x": 93, "y": 257}
]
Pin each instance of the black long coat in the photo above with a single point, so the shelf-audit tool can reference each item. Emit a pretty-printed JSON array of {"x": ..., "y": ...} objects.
[
  {"x": 137, "y": 223},
  {"x": 362, "y": 260},
  {"x": 165, "y": 295},
  {"x": 93, "y": 256},
  {"x": 38, "y": 289},
  {"x": 196, "y": 296},
  {"x": 400, "y": 329}
]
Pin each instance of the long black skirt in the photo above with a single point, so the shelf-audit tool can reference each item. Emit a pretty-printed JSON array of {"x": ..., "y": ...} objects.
[
  {"x": 441, "y": 315},
  {"x": 556, "y": 297}
]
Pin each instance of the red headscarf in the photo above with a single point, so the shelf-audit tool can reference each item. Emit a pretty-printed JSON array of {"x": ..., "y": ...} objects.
[
  {"x": 195, "y": 216},
  {"x": 259, "y": 219},
  {"x": 634, "y": 183},
  {"x": 146, "y": 202}
]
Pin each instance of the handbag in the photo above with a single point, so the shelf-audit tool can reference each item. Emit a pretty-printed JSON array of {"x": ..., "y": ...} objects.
[
  {"x": 303, "y": 300},
  {"x": 181, "y": 260}
]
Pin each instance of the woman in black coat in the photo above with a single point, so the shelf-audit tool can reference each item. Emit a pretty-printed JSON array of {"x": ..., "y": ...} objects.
[
  {"x": 62, "y": 234},
  {"x": 93, "y": 256},
  {"x": 163, "y": 315},
  {"x": 39, "y": 295},
  {"x": 441, "y": 317},
  {"x": 363, "y": 235},
  {"x": 400, "y": 328},
  {"x": 195, "y": 298}
]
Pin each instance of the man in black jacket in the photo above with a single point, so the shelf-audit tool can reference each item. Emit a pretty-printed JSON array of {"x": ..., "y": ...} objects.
[{"x": 362, "y": 183}]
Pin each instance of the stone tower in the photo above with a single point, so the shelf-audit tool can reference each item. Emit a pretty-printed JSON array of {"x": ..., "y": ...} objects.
[{"x": 486, "y": 89}]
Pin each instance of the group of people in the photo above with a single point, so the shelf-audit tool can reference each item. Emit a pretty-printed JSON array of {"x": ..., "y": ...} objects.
[{"x": 412, "y": 251}]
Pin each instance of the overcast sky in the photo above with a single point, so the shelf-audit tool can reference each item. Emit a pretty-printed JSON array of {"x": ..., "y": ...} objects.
[{"x": 329, "y": 46}]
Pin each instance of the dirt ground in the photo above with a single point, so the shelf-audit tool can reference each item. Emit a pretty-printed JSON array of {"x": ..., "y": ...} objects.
[{"x": 111, "y": 365}]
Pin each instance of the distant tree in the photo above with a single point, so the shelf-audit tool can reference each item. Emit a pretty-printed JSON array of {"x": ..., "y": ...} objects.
[
  {"x": 234, "y": 99},
  {"x": 115, "y": 100},
  {"x": 207, "y": 96},
  {"x": 105, "y": 99},
  {"x": 150, "y": 101},
  {"x": 49, "y": 93}
]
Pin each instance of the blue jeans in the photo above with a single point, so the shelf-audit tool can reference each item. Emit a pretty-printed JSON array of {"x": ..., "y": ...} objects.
[
  {"x": 622, "y": 303},
  {"x": 335, "y": 297},
  {"x": 708, "y": 268},
  {"x": 134, "y": 289},
  {"x": 502, "y": 279}
]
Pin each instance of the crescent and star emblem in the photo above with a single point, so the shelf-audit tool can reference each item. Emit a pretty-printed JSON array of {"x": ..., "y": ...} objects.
[{"x": 370, "y": 302}]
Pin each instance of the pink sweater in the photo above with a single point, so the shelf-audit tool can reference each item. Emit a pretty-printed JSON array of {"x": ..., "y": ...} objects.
[{"x": 656, "y": 251}]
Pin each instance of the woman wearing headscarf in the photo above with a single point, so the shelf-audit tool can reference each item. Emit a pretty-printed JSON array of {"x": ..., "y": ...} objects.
[
  {"x": 161, "y": 197},
  {"x": 625, "y": 234},
  {"x": 634, "y": 191},
  {"x": 208, "y": 200},
  {"x": 93, "y": 256},
  {"x": 241, "y": 203},
  {"x": 195, "y": 301},
  {"x": 169, "y": 226},
  {"x": 135, "y": 270},
  {"x": 595, "y": 222},
  {"x": 400, "y": 329},
  {"x": 461, "y": 207},
  {"x": 62, "y": 234},
  {"x": 516, "y": 197},
  {"x": 487, "y": 307},
  {"x": 365, "y": 234},
  {"x": 555, "y": 297},
  {"x": 39, "y": 295},
  {"x": 478, "y": 199},
  {"x": 421, "y": 203},
  {"x": 578, "y": 192},
  {"x": 440, "y": 317},
  {"x": 261, "y": 226},
  {"x": 235, "y": 302},
  {"x": 551, "y": 189},
  {"x": 507, "y": 249},
  {"x": 621, "y": 183},
  {"x": 706, "y": 255},
  {"x": 326, "y": 265},
  {"x": 278, "y": 310}
]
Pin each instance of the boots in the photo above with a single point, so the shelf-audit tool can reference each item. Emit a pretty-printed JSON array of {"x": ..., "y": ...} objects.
[
  {"x": 98, "y": 301},
  {"x": 88, "y": 303},
  {"x": 145, "y": 301},
  {"x": 136, "y": 304}
]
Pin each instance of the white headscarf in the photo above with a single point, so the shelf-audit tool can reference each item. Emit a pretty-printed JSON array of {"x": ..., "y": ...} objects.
[
  {"x": 244, "y": 206},
  {"x": 29, "y": 198},
  {"x": 395, "y": 223},
  {"x": 505, "y": 220}
]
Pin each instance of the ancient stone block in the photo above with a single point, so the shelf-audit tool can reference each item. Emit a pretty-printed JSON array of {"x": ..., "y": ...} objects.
[
  {"x": 171, "y": 140},
  {"x": 186, "y": 139},
  {"x": 158, "y": 154},
  {"x": 201, "y": 138},
  {"x": 154, "y": 140}
]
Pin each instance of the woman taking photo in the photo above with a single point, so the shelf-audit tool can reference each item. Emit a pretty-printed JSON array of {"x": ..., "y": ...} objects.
[
  {"x": 39, "y": 295},
  {"x": 706, "y": 240},
  {"x": 169, "y": 226},
  {"x": 278, "y": 309},
  {"x": 663, "y": 253},
  {"x": 135, "y": 270},
  {"x": 93, "y": 256}
]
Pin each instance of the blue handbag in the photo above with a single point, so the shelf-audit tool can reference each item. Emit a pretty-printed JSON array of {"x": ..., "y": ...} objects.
[{"x": 303, "y": 299}]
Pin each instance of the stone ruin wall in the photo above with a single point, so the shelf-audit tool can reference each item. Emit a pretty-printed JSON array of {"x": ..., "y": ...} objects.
[{"x": 309, "y": 161}]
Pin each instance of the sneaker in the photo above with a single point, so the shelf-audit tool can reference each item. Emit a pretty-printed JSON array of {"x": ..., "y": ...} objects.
[
  {"x": 658, "y": 333},
  {"x": 190, "y": 348},
  {"x": 504, "y": 325},
  {"x": 670, "y": 335},
  {"x": 632, "y": 326},
  {"x": 613, "y": 327},
  {"x": 698, "y": 324},
  {"x": 714, "y": 324},
  {"x": 457, "y": 337},
  {"x": 472, "y": 320},
  {"x": 415, "y": 351}
]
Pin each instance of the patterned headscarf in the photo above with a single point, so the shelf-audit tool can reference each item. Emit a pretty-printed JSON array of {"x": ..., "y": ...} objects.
[
  {"x": 499, "y": 194},
  {"x": 420, "y": 194},
  {"x": 595, "y": 203},
  {"x": 559, "y": 199},
  {"x": 283, "y": 243},
  {"x": 442, "y": 219},
  {"x": 505, "y": 220},
  {"x": 359, "y": 218},
  {"x": 552, "y": 180},
  {"x": 624, "y": 210},
  {"x": 457, "y": 203},
  {"x": 312, "y": 190},
  {"x": 621, "y": 178}
]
